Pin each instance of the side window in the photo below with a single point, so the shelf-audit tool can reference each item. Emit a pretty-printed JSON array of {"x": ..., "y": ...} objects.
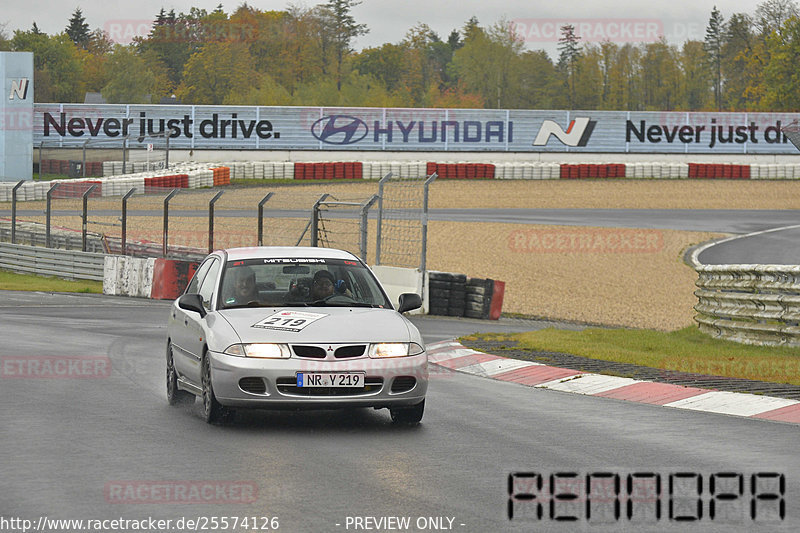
[
  {"x": 197, "y": 279},
  {"x": 207, "y": 287}
]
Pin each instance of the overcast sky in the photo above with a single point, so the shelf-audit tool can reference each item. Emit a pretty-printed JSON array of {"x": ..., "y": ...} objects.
[{"x": 389, "y": 20}]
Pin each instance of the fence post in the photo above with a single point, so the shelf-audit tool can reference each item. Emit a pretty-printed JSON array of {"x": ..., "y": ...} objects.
[
  {"x": 211, "y": 221},
  {"x": 14, "y": 211},
  {"x": 315, "y": 220},
  {"x": 125, "y": 217},
  {"x": 125, "y": 155},
  {"x": 423, "y": 260},
  {"x": 83, "y": 163},
  {"x": 380, "y": 218},
  {"x": 261, "y": 218},
  {"x": 166, "y": 220},
  {"x": 41, "y": 146},
  {"x": 364, "y": 214},
  {"x": 47, "y": 215},
  {"x": 84, "y": 215}
]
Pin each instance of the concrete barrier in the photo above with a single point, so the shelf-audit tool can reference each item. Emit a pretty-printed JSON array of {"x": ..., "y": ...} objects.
[
  {"x": 398, "y": 280},
  {"x": 128, "y": 276}
]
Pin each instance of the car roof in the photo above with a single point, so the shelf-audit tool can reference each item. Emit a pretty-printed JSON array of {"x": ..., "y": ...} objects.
[{"x": 235, "y": 254}]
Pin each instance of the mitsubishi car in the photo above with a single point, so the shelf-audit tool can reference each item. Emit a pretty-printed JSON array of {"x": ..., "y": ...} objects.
[{"x": 293, "y": 327}]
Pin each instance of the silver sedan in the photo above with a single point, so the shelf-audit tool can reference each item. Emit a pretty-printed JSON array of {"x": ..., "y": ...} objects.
[{"x": 293, "y": 327}]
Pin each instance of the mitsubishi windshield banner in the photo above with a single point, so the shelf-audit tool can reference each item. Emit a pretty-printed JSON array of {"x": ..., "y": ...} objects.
[{"x": 452, "y": 130}]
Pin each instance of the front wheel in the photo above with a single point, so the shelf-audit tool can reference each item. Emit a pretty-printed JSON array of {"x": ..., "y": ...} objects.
[
  {"x": 213, "y": 411},
  {"x": 409, "y": 416},
  {"x": 175, "y": 396}
]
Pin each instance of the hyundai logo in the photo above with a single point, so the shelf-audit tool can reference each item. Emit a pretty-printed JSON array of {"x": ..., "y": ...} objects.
[{"x": 339, "y": 129}]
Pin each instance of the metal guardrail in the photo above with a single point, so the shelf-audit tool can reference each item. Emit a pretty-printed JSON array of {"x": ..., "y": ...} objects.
[
  {"x": 752, "y": 304},
  {"x": 51, "y": 261}
]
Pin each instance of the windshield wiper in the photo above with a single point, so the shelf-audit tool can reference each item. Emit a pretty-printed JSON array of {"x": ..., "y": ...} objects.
[{"x": 328, "y": 303}]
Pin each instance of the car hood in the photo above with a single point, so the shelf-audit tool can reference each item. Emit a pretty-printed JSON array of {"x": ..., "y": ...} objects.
[{"x": 338, "y": 325}]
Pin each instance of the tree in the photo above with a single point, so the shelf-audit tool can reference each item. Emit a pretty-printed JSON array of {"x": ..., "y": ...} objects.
[
  {"x": 56, "y": 66},
  {"x": 130, "y": 80},
  {"x": 661, "y": 77},
  {"x": 713, "y": 46},
  {"x": 569, "y": 51},
  {"x": 696, "y": 78},
  {"x": 771, "y": 15},
  {"x": 739, "y": 43},
  {"x": 488, "y": 63},
  {"x": 344, "y": 30},
  {"x": 215, "y": 71},
  {"x": 78, "y": 29}
]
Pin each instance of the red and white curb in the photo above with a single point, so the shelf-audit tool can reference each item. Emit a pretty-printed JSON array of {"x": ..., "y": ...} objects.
[{"x": 452, "y": 355}]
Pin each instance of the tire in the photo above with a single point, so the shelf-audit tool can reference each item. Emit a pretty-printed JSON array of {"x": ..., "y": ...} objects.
[
  {"x": 457, "y": 294},
  {"x": 443, "y": 285},
  {"x": 440, "y": 276},
  {"x": 473, "y": 314},
  {"x": 175, "y": 396},
  {"x": 455, "y": 311},
  {"x": 475, "y": 298},
  {"x": 440, "y": 311},
  {"x": 408, "y": 416},
  {"x": 479, "y": 291},
  {"x": 474, "y": 306},
  {"x": 443, "y": 294},
  {"x": 213, "y": 411}
]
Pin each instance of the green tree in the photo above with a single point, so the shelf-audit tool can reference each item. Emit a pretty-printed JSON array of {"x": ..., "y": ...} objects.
[
  {"x": 739, "y": 43},
  {"x": 696, "y": 78},
  {"x": 130, "y": 80},
  {"x": 343, "y": 30},
  {"x": 56, "y": 66},
  {"x": 487, "y": 63},
  {"x": 781, "y": 90},
  {"x": 78, "y": 29},
  {"x": 714, "y": 41},
  {"x": 569, "y": 52},
  {"x": 661, "y": 77}
]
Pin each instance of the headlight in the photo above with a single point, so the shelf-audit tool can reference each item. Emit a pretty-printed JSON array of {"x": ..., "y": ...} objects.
[
  {"x": 262, "y": 351},
  {"x": 395, "y": 349}
]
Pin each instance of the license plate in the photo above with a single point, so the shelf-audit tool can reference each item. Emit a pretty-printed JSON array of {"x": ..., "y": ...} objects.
[{"x": 353, "y": 380}]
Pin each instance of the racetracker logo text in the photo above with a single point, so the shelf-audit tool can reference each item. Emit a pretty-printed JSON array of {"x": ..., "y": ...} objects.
[
  {"x": 339, "y": 129},
  {"x": 578, "y": 132}
]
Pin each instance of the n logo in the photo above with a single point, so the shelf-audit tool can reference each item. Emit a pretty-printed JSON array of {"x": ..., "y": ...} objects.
[
  {"x": 577, "y": 134},
  {"x": 19, "y": 88}
]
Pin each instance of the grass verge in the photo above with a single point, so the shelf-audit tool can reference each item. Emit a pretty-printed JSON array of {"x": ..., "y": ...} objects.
[
  {"x": 11, "y": 281},
  {"x": 684, "y": 350}
]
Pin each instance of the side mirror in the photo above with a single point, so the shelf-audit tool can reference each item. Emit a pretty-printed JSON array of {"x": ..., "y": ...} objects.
[
  {"x": 192, "y": 302},
  {"x": 408, "y": 302}
]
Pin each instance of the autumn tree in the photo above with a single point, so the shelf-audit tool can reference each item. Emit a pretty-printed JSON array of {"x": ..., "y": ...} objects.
[
  {"x": 130, "y": 80},
  {"x": 696, "y": 77},
  {"x": 215, "y": 71},
  {"x": 738, "y": 46}
]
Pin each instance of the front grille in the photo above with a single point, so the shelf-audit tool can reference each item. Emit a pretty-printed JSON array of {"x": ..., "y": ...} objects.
[
  {"x": 403, "y": 383},
  {"x": 309, "y": 351},
  {"x": 288, "y": 385},
  {"x": 357, "y": 350},
  {"x": 253, "y": 385}
]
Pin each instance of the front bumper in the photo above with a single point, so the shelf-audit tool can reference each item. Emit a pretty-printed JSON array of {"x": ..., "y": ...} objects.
[{"x": 391, "y": 382}]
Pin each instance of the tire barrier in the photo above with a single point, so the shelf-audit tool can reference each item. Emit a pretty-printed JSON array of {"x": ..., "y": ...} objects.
[
  {"x": 751, "y": 304},
  {"x": 170, "y": 278},
  {"x": 329, "y": 171},
  {"x": 452, "y": 294},
  {"x": 182, "y": 176}
]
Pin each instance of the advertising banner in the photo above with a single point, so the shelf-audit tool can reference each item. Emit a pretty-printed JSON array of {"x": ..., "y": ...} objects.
[{"x": 430, "y": 130}]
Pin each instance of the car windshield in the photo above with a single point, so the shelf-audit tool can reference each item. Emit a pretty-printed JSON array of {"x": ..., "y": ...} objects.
[{"x": 293, "y": 282}]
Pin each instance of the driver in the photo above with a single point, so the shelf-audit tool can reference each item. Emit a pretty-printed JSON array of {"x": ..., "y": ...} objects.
[
  {"x": 322, "y": 286},
  {"x": 244, "y": 286}
]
